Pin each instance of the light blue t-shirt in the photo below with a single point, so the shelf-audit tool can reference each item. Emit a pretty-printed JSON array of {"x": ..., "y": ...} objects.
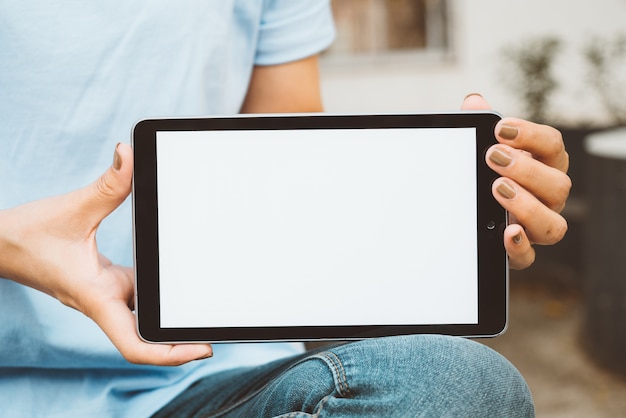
[{"x": 75, "y": 76}]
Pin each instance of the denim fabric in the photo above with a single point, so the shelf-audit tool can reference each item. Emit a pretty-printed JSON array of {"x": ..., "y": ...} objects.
[{"x": 408, "y": 376}]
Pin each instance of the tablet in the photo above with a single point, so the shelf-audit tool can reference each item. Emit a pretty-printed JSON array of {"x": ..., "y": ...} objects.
[{"x": 317, "y": 227}]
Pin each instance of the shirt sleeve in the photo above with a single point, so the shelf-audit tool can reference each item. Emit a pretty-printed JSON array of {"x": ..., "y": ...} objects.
[{"x": 293, "y": 29}]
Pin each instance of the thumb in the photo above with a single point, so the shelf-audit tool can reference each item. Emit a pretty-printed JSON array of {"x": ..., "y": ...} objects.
[
  {"x": 475, "y": 101},
  {"x": 104, "y": 195}
]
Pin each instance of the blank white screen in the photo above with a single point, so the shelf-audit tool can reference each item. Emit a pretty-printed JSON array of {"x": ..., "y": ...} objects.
[{"x": 317, "y": 227}]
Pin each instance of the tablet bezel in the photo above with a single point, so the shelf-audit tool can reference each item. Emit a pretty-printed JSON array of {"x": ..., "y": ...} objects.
[{"x": 492, "y": 260}]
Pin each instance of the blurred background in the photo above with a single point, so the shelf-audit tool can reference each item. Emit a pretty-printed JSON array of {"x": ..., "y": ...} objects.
[{"x": 557, "y": 62}]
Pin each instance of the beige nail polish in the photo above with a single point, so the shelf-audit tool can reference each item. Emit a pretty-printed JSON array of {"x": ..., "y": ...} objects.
[
  {"x": 500, "y": 157},
  {"x": 517, "y": 238},
  {"x": 117, "y": 160},
  {"x": 508, "y": 132},
  {"x": 505, "y": 190},
  {"x": 473, "y": 94}
]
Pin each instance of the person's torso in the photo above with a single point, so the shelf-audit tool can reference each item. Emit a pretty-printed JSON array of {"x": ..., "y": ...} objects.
[{"x": 74, "y": 78}]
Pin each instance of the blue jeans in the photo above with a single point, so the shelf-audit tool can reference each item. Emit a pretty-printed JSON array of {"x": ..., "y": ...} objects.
[{"x": 408, "y": 376}]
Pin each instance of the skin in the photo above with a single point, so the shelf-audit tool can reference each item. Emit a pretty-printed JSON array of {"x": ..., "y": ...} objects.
[
  {"x": 50, "y": 244},
  {"x": 537, "y": 173}
]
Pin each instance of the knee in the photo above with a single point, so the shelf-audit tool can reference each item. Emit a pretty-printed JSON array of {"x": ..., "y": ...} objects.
[
  {"x": 442, "y": 376},
  {"x": 483, "y": 381}
]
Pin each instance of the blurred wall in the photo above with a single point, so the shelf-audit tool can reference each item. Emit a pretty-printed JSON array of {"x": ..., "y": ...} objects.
[{"x": 479, "y": 31}]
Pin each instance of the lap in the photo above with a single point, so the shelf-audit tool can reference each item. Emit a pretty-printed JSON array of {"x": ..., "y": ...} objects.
[{"x": 419, "y": 375}]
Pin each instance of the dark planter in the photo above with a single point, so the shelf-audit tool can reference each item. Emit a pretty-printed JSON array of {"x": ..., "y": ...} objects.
[
  {"x": 605, "y": 250},
  {"x": 565, "y": 260}
]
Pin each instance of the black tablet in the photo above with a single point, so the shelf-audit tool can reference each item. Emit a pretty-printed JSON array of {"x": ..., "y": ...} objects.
[{"x": 317, "y": 227}]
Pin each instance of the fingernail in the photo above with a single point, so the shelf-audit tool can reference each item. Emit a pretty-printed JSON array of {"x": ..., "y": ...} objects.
[
  {"x": 517, "y": 238},
  {"x": 473, "y": 94},
  {"x": 500, "y": 157},
  {"x": 508, "y": 132},
  {"x": 505, "y": 190},
  {"x": 117, "y": 160},
  {"x": 206, "y": 356}
]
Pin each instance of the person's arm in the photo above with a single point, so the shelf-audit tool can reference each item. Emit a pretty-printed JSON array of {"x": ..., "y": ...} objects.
[
  {"x": 50, "y": 244},
  {"x": 534, "y": 186},
  {"x": 285, "y": 88}
]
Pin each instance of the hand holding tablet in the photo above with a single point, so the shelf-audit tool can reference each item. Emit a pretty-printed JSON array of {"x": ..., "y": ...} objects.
[{"x": 267, "y": 228}]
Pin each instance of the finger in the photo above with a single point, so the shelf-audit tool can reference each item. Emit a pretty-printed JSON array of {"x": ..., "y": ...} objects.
[
  {"x": 100, "y": 198},
  {"x": 118, "y": 322},
  {"x": 542, "y": 225},
  {"x": 125, "y": 280},
  {"x": 129, "y": 274},
  {"x": 550, "y": 185},
  {"x": 544, "y": 142},
  {"x": 104, "y": 261},
  {"x": 518, "y": 247},
  {"x": 475, "y": 101}
]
